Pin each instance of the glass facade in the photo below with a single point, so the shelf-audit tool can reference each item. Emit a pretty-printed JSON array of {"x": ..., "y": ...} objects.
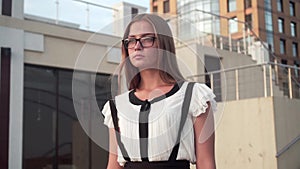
[
  {"x": 197, "y": 17},
  {"x": 53, "y": 136},
  {"x": 269, "y": 24}
]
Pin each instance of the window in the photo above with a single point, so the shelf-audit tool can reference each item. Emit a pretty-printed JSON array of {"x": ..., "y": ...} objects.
[
  {"x": 155, "y": 9},
  {"x": 296, "y": 69},
  {"x": 283, "y": 61},
  {"x": 166, "y": 6},
  {"x": 279, "y": 6},
  {"x": 134, "y": 11},
  {"x": 270, "y": 40},
  {"x": 292, "y": 8},
  {"x": 268, "y": 21},
  {"x": 233, "y": 25},
  {"x": 280, "y": 25},
  {"x": 248, "y": 4},
  {"x": 231, "y": 5},
  {"x": 282, "y": 46},
  {"x": 268, "y": 5},
  {"x": 295, "y": 49},
  {"x": 248, "y": 20},
  {"x": 293, "y": 29},
  {"x": 52, "y": 135}
]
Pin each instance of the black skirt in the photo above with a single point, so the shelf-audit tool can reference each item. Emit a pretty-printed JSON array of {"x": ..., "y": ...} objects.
[{"x": 178, "y": 164}]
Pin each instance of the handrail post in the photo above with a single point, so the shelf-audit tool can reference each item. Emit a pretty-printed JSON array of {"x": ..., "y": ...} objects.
[
  {"x": 271, "y": 80},
  {"x": 230, "y": 43},
  {"x": 87, "y": 16},
  {"x": 214, "y": 31},
  {"x": 57, "y": 12},
  {"x": 212, "y": 81},
  {"x": 249, "y": 37},
  {"x": 238, "y": 47},
  {"x": 265, "y": 80},
  {"x": 221, "y": 43},
  {"x": 290, "y": 83},
  {"x": 244, "y": 39},
  {"x": 237, "y": 94},
  {"x": 276, "y": 72}
]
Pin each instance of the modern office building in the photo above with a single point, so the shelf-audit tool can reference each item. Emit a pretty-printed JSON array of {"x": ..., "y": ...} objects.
[
  {"x": 274, "y": 22},
  {"x": 191, "y": 15}
]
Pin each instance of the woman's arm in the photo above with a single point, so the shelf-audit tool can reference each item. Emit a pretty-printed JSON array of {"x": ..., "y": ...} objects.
[
  {"x": 113, "y": 151},
  {"x": 204, "y": 142}
]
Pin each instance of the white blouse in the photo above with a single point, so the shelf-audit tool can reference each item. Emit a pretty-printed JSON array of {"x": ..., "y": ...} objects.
[{"x": 163, "y": 123}]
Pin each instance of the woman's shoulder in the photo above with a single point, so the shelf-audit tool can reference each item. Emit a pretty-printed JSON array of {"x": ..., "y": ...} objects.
[
  {"x": 197, "y": 86},
  {"x": 123, "y": 97}
]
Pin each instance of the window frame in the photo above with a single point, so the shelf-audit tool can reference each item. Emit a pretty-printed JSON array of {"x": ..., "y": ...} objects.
[
  {"x": 166, "y": 6},
  {"x": 282, "y": 46},
  {"x": 295, "y": 49},
  {"x": 293, "y": 26},
  {"x": 280, "y": 25},
  {"x": 231, "y": 8},
  {"x": 292, "y": 8}
]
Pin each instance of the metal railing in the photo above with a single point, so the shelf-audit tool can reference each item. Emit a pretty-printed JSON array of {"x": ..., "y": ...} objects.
[
  {"x": 221, "y": 32},
  {"x": 288, "y": 146},
  {"x": 257, "y": 80},
  {"x": 77, "y": 14},
  {"x": 235, "y": 36}
]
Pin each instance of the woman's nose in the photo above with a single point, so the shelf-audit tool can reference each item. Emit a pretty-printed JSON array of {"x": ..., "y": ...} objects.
[{"x": 138, "y": 45}]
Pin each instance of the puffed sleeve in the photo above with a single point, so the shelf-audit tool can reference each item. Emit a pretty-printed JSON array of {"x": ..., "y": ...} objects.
[
  {"x": 201, "y": 95},
  {"x": 107, "y": 115}
]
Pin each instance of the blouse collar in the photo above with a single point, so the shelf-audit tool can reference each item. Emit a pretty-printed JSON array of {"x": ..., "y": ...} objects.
[{"x": 136, "y": 101}]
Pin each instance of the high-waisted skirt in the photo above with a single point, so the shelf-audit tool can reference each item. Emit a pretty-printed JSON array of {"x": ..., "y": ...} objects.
[{"x": 178, "y": 164}]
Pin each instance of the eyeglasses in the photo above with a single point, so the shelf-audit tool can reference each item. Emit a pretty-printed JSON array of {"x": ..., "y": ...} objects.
[{"x": 145, "y": 42}]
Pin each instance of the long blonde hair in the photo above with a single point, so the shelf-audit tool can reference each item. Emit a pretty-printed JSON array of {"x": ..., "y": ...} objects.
[{"x": 169, "y": 73}]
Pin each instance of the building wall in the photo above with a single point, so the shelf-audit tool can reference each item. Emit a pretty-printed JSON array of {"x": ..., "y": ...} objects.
[
  {"x": 159, "y": 4},
  {"x": 93, "y": 48},
  {"x": 250, "y": 80},
  {"x": 123, "y": 16},
  {"x": 13, "y": 38},
  {"x": 259, "y": 23},
  {"x": 245, "y": 135},
  {"x": 286, "y": 117}
]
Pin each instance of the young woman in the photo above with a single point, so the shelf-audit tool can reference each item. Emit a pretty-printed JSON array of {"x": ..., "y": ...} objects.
[{"x": 162, "y": 122}]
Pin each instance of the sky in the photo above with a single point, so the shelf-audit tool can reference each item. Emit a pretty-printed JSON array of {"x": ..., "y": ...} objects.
[{"x": 75, "y": 12}]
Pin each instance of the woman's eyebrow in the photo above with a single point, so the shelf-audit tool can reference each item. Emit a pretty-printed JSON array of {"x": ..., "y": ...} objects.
[{"x": 142, "y": 35}]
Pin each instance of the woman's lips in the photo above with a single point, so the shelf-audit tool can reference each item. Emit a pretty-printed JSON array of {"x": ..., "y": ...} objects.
[{"x": 138, "y": 56}]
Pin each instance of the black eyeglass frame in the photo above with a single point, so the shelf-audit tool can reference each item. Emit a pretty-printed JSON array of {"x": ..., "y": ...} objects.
[{"x": 125, "y": 42}]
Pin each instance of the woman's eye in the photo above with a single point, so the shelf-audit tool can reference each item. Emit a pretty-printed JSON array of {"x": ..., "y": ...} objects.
[{"x": 147, "y": 39}]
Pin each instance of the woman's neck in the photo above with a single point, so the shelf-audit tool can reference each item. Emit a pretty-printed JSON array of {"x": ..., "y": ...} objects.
[{"x": 151, "y": 79}]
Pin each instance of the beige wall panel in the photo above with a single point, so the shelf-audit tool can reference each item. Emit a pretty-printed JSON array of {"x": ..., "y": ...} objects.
[
  {"x": 245, "y": 136},
  {"x": 69, "y": 54},
  {"x": 287, "y": 126}
]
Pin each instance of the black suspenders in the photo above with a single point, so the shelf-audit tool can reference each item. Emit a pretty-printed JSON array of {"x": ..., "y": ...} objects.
[
  {"x": 184, "y": 113},
  {"x": 117, "y": 129}
]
